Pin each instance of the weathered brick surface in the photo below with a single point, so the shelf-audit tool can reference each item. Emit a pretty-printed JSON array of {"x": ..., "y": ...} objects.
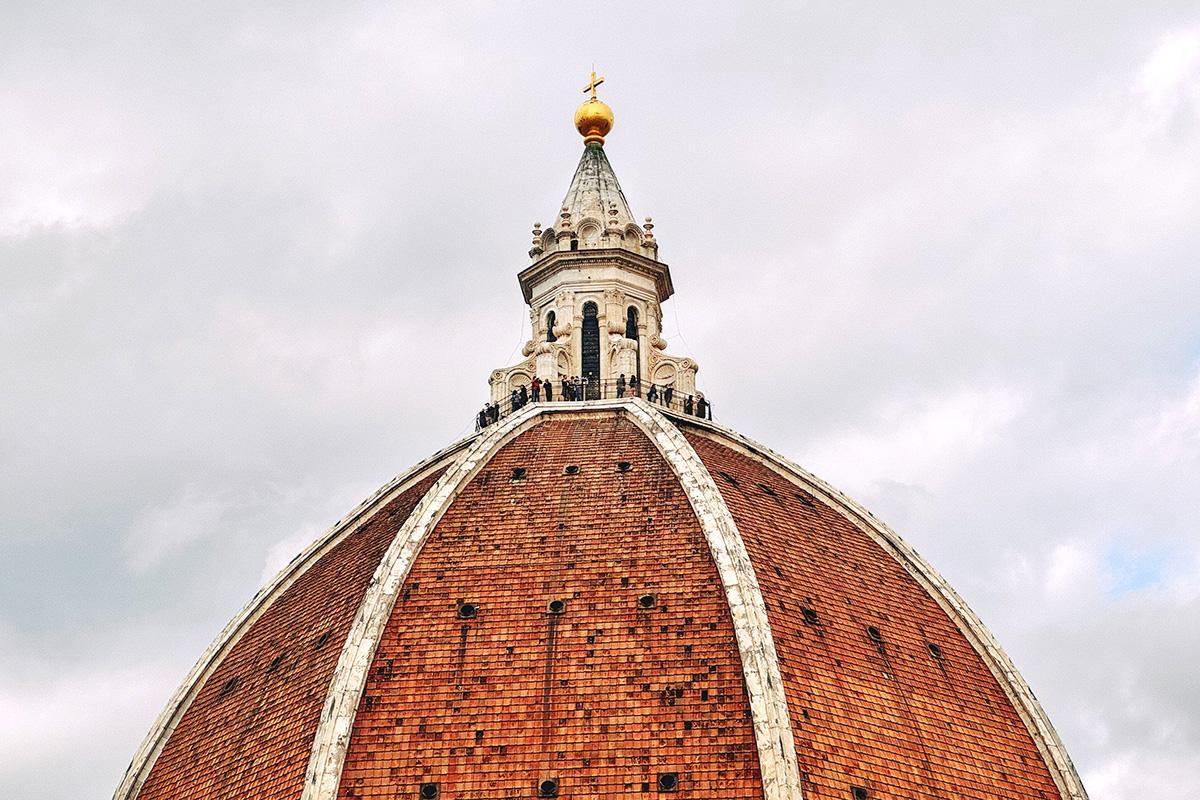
[
  {"x": 248, "y": 733},
  {"x": 890, "y": 718},
  {"x": 604, "y": 697}
]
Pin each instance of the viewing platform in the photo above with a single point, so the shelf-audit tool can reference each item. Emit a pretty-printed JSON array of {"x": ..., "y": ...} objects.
[{"x": 696, "y": 405}]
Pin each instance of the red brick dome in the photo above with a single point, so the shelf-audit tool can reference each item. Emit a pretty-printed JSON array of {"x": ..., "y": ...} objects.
[
  {"x": 603, "y": 594},
  {"x": 603, "y": 598}
]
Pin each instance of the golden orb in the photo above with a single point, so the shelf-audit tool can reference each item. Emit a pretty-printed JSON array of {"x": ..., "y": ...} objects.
[{"x": 594, "y": 120}]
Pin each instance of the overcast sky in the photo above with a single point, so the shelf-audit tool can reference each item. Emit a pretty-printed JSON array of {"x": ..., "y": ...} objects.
[{"x": 255, "y": 259}]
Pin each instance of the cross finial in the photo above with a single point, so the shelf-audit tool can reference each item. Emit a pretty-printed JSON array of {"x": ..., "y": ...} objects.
[{"x": 593, "y": 83}]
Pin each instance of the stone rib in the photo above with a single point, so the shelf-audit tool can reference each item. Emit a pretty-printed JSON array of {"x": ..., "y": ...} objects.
[
  {"x": 146, "y": 755},
  {"x": 345, "y": 691},
  {"x": 1036, "y": 721},
  {"x": 772, "y": 727},
  {"x": 760, "y": 664}
]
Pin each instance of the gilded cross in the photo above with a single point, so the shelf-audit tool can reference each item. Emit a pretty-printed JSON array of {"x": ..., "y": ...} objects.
[{"x": 593, "y": 83}]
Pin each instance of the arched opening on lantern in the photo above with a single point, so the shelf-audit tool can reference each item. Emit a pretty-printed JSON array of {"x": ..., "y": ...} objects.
[
  {"x": 590, "y": 350},
  {"x": 551, "y": 318},
  {"x": 631, "y": 332}
]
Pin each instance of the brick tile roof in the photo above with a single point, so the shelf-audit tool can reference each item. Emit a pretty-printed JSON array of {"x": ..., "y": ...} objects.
[
  {"x": 606, "y": 695},
  {"x": 249, "y": 730},
  {"x": 888, "y": 716}
]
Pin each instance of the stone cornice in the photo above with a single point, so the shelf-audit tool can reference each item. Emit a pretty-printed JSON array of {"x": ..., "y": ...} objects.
[{"x": 596, "y": 257}]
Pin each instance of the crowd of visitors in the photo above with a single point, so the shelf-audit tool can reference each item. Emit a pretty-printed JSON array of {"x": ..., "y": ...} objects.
[{"x": 573, "y": 387}]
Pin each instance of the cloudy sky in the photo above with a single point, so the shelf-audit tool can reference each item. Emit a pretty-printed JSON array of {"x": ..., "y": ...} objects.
[{"x": 255, "y": 259}]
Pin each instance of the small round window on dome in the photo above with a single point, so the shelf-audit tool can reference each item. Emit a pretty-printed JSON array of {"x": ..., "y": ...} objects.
[
  {"x": 647, "y": 601},
  {"x": 624, "y": 466},
  {"x": 429, "y": 791},
  {"x": 467, "y": 611},
  {"x": 556, "y": 606},
  {"x": 229, "y": 686},
  {"x": 874, "y": 634},
  {"x": 934, "y": 650},
  {"x": 859, "y": 793},
  {"x": 518, "y": 473},
  {"x": 810, "y": 616},
  {"x": 572, "y": 469},
  {"x": 668, "y": 781},
  {"x": 548, "y": 788}
]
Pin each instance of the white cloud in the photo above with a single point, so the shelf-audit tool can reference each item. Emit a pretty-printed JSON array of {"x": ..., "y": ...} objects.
[
  {"x": 71, "y": 711},
  {"x": 1173, "y": 434},
  {"x": 70, "y": 733},
  {"x": 161, "y": 530},
  {"x": 921, "y": 441},
  {"x": 1170, "y": 77},
  {"x": 284, "y": 550},
  {"x": 1072, "y": 569},
  {"x": 251, "y": 264}
]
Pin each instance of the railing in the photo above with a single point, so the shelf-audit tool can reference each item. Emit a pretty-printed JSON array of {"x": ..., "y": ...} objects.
[{"x": 696, "y": 405}]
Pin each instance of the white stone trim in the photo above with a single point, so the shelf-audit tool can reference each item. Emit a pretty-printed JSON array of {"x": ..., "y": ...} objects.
[
  {"x": 1019, "y": 694},
  {"x": 332, "y": 738},
  {"x": 143, "y": 760},
  {"x": 778, "y": 764},
  {"x": 760, "y": 665}
]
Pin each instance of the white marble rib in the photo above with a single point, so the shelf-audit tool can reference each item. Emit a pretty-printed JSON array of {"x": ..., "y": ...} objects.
[
  {"x": 773, "y": 736},
  {"x": 332, "y": 739},
  {"x": 164, "y": 726},
  {"x": 772, "y": 727},
  {"x": 1020, "y": 695}
]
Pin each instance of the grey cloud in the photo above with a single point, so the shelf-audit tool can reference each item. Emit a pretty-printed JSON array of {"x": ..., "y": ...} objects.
[{"x": 943, "y": 253}]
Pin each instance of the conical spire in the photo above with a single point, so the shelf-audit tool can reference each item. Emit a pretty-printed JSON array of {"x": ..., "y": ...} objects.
[
  {"x": 595, "y": 193},
  {"x": 595, "y": 213}
]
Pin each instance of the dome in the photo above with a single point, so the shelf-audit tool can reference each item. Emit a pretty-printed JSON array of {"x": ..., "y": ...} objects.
[
  {"x": 713, "y": 598},
  {"x": 603, "y": 593}
]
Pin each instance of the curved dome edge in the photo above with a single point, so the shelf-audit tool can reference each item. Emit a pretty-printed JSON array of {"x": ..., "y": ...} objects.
[
  {"x": 164, "y": 725},
  {"x": 985, "y": 644}
]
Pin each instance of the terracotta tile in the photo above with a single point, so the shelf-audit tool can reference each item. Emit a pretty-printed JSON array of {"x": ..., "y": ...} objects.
[
  {"x": 254, "y": 739},
  {"x": 598, "y": 696},
  {"x": 891, "y": 717}
]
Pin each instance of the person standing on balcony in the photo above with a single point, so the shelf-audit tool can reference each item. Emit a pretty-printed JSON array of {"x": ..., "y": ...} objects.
[
  {"x": 621, "y": 385},
  {"x": 536, "y": 388}
]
